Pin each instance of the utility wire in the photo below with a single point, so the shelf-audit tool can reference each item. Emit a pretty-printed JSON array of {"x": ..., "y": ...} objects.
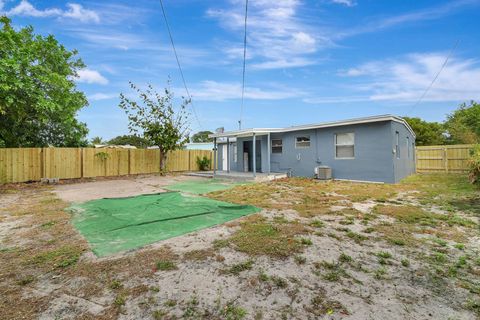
[
  {"x": 244, "y": 65},
  {"x": 435, "y": 78},
  {"x": 178, "y": 63}
]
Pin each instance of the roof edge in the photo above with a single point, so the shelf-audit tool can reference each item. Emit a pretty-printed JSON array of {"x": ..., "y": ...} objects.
[{"x": 262, "y": 131}]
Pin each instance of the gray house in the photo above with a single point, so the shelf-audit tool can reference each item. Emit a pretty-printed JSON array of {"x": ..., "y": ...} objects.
[{"x": 378, "y": 148}]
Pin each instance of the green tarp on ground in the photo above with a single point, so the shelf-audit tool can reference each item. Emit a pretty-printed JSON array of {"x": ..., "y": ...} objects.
[
  {"x": 201, "y": 186},
  {"x": 115, "y": 225}
]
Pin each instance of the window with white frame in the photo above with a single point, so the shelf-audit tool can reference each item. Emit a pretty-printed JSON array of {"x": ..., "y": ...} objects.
[
  {"x": 345, "y": 145},
  {"x": 277, "y": 145},
  {"x": 397, "y": 144},
  {"x": 302, "y": 142},
  {"x": 235, "y": 152}
]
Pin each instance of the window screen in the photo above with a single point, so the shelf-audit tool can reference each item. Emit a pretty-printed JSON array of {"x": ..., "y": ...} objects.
[
  {"x": 302, "y": 142},
  {"x": 345, "y": 145},
  {"x": 235, "y": 152},
  {"x": 277, "y": 145}
]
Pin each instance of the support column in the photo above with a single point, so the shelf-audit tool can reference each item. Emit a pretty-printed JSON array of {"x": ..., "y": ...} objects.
[
  {"x": 254, "y": 160},
  {"x": 269, "y": 150},
  {"x": 214, "y": 156},
  {"x": 228, "y": 155}
]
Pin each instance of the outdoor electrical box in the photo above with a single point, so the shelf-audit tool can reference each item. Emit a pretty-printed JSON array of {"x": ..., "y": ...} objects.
[{"x": 323, "y": 173}]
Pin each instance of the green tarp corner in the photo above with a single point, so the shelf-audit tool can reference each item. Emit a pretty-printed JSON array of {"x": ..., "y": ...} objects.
[
  {"x": 115, "y": 225},
  {"x": 201, "y": 186}
]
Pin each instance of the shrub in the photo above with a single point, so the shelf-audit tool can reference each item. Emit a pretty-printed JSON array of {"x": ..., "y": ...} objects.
[
  {"x": 203, "y": 163},
  {"x": 474, "y": 165}
]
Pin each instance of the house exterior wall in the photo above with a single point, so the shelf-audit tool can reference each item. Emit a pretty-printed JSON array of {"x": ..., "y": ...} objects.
[
  {"x": 373, "y": 160},
  {"x": 404, "y": 165},
  {"x": 374, "y": 156}
]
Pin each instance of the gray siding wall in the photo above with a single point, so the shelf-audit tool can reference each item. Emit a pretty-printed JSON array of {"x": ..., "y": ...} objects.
[
  {"x": 405, "y": 164},
  {"x": 374, "y": 159},
  {"x": 373, "y": 153}
]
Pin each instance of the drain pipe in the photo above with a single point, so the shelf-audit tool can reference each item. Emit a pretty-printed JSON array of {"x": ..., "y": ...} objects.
[{"x": 214, "y": 156}]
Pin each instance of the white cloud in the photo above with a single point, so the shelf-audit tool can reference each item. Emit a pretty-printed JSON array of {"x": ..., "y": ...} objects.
[
  {"x": 25, "y": 8},
  {"x": 348, "y": 3},
  {"x": 91, "y": 76},
  {"x": 220, "y": 91},
  {"x": 277, "y": 36},
  {"x": 404, "y": 80},
  {"x": 103, "y": 96},
  {"x": 75, "y": 11}
]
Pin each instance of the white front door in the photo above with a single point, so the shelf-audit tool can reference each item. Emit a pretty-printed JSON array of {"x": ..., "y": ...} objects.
[{"x": 224, "y": 158}]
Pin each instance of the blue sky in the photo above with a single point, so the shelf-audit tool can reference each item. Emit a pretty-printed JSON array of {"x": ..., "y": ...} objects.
[{"x": 307, "y": 61}]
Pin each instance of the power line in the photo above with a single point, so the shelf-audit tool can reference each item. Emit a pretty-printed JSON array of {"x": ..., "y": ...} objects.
[
  {"x": 435, "y": 78},
  {"x": 178, "y": 63},
  {"x": 244, "y": 64}
]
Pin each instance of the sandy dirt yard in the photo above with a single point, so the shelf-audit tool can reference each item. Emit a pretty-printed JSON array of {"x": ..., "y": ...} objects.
[{"x": 317, "y": 250}]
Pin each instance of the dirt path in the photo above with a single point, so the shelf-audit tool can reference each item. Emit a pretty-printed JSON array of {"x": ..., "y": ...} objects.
[{"x": 117, "y": 188}]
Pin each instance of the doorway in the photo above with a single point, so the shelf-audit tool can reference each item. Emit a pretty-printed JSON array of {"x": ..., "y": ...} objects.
[{"x": 248, "y": 155}]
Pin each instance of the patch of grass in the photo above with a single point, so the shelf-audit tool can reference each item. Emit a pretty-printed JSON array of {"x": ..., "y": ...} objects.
[
  {"x": 62, "y": 257},
  {"x": 233, "y": 312},
  {"x": 199, "y": 255},
  {"x": 262, "y": 276},
  {"x": 120, "y": 300},
  {"x": 380, "y": 273},
  {"x": 306, "y": 241},
  {"x": 220, "y": 243},
  {"x": 25, "y": 280},
  {"x": 408, "y": 214},
  {"x": 48, "y": 224},
  {"x": 440, "y": 242},
  {"x": 317, "y": 224},
  {"x": 459, "y": 246},
  {"x": 320, "y": 306},
  {"x": 473, "y": 305},
  {"x": 358, "y": 238},
  {"x": 384, "y": 254},
  {"x": 279, "y": 282},
  {"x": 115, "y": 284},
  {"x": 368, "y": 230},
  {"x": 159, "y": 314},
  {"x": 166, "y": 265},
  {"x": 236, "y": 269},
  {"x": 260, "y": 237},
  {"x": 405, "y": 262},
  {"x": 300, "y": 259},
  {"x": 439, "y": 258},
  {"x": 332, "y": 276},
  {"x": 170, "y": 303},
  {"x": 344, "y": 258},
  {"x": 397, "y": 241}
]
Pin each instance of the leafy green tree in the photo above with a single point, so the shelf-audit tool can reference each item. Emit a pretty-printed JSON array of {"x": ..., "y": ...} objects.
[
  {"x": 97, "y": 140},
  {"x": 428, "y": 133},
  {"x": 157, "y": 119},
  {"x": 38, "y": 95},
  {"x": 463, "y": 124},
  {"x": 201, "y": 136},
  {"x": 132, "y": 140}
]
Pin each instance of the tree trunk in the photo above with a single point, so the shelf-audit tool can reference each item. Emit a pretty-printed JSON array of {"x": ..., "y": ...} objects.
[{"x": 163, "y": 161}]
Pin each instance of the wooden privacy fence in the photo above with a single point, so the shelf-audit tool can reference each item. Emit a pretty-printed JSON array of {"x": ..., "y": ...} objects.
[
  {"x": 33, "y": 164},
  {"x": 452, "y": 158}
]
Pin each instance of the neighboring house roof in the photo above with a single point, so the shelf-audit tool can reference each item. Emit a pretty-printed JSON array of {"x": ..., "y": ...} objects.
[
  {"x": 199, "y": 146},
  {"x": 260, "y": 131},
  {"x": 111, "y": 146}
]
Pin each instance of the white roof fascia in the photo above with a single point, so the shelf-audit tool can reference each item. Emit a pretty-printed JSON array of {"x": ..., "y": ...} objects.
[{"x": 263, "y": 131}]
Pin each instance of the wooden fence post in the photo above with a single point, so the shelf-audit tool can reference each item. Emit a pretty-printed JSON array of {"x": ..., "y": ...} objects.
[{"x": 445, "y": 158}]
